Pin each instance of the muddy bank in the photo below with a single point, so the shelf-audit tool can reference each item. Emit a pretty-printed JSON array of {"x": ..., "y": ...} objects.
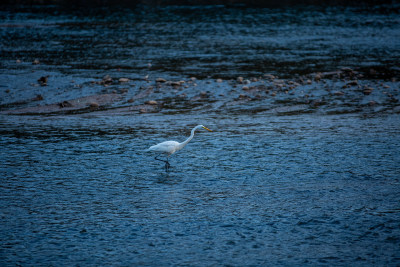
[{"x": 341, "y": 91}]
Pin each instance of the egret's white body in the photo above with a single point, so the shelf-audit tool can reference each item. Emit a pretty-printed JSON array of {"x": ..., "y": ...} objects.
[
  {"x": 170, "y": 147},
  {"x": 167, "y": 147}
]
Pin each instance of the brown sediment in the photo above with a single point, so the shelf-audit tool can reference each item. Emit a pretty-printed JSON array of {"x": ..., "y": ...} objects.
[
  {"x": 136, "y": 109},
  {"x": 69, "y": 106},
  {"x": 142, "y": 94},
  {"x": 322, "y": 92}
]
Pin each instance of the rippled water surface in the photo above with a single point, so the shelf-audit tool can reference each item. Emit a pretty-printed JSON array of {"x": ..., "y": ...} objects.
[
  {"x": 301, "y": 170},
  {"x": 208, "y": 41},
  {"x": 259, "y": 190}
]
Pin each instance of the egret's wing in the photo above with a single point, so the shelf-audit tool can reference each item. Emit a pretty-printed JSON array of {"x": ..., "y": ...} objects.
[{"x": 166, "y": 147}]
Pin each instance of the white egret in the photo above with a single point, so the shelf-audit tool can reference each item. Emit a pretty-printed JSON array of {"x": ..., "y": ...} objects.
[{"x": 170, "y": 147}]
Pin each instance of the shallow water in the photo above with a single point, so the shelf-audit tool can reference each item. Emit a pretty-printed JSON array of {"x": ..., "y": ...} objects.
[
  {"x": 259, "y": 190},
  {"x": 264, "y": 188}
]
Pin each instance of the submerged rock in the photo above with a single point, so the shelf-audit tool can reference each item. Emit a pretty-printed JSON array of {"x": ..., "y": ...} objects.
[
  {"x": 161, "y": 80},
  {"x": 352, "y": 83},
  {"x": 65, "y": 104},
  {"x": 107, "y": 80},
  {"x": 94, "y": 105},
  {"x": 123, "y": 80},
  {"x": 269, "y": 76},
  {"x": 246, "y": 81},
  {"x": 367, "y": 90},
  {"x": 38, "y": 98},
  {"x": 151, "y": 102},
  {"x": 338, "y": 93},
  {"x": 43, "y": 80},
  {"x": 176, "y": 83}
]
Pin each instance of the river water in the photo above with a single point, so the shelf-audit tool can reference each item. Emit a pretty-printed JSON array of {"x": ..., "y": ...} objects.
[{"x": 264, "y": 188}]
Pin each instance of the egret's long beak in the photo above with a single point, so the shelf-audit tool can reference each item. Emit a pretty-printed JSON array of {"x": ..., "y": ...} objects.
[{"x": 207, "y": 128}]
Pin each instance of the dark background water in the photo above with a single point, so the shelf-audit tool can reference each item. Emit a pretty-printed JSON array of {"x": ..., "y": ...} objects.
[
  {"x": 201, "y": 41},
  {"x": 263, "y": 189}
]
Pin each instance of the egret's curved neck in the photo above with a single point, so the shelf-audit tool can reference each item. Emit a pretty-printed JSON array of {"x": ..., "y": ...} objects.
[{"x": 181, "y": 145}]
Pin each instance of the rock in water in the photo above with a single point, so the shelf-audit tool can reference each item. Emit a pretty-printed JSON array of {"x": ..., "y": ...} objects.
[
  {"x": 94, "y": 105},
  {"x": 161, "y": 80},
  {"x": 107, "y": 80},
  {"x": 43, "y": 80},
  {"x": 367, "y": 90},
  {"x": 151, "y": 102},
  {"x": 123, "y": 80}
]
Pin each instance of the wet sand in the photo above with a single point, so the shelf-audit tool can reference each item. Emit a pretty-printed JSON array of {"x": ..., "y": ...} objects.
[{"x": 341, "y": 91}]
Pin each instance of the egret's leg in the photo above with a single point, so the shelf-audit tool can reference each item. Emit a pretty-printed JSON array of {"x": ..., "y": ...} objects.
[
  {"x": 160, "y": 159},
  {"x": 167, "y": 165}
]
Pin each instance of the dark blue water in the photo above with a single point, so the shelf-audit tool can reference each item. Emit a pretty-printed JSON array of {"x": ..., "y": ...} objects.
[
  {"x": 259, "y": 190},
  {"x": 199, "y": 41},
  {"x": 263, "y": 189}
]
